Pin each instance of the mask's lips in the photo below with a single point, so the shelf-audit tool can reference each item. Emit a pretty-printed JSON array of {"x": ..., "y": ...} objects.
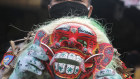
[
  {"x": 70, "y": 61},
  {"x": 69, "y": 56}
]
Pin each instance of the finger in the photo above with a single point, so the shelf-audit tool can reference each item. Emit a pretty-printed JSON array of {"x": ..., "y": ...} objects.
[
  {"x": 35, "y": 62},
  {"x": 32, "y": 69},
  {"x": 37, "y": 52},
  {"x": 110, "y": 77},
  {"x": 106, "y": 72}
]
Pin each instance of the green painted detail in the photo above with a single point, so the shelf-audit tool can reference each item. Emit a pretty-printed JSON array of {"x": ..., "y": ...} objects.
[
  {"x": 63, "y": 38},
  {"x": 63, "y": 54},
  {"x": 69, "y": 69},
  {"x": 55, "y": 66},
  {"x": 76, "y": 70},
  {"x": 60, "y": 68},
  {"x": 72, "y": 55},
  {"x": 84, "y": 43}
]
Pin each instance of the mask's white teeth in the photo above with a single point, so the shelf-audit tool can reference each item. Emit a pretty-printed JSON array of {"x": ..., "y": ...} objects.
[
  {"x": 61, "y": 67},
  {"x": 63, "y": 55},
  {"x": 70, "y": 69},
  {"x": 71, "y": 65},
  {"x": 76, "y": 70},
  {"x": 57, "y": 55},
  {"x": 79, "y": 59},
  {"x": 92, "y": 57},
  {"x": 72, "y": 56},
  {"x": 56, "y": 66}
]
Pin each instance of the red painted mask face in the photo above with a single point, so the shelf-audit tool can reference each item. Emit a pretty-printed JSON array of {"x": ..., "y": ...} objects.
[
  {"x": 70, "y": 48},
  {"x": 75, "y": 36},
  {"x": 73, "y": 43}
]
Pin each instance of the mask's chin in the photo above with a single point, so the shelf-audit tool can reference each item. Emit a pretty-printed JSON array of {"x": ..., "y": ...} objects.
[{"x": 68, "y": 63}]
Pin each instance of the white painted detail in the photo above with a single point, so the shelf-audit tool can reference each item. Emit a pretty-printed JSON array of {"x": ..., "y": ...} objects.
[
  {"x": 61, "y": 67},
  {"x": 72, "y": 56},
  {"x": 64, "y": 55},
  {"x": 70, "y": 69}
]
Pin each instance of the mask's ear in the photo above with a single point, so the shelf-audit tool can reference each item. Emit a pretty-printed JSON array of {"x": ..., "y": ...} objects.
[
  {"x": 102, "y": 61},
  {"x": 43, "y": 40},
  {"x": 90, "y": 11},
  {"x": 39, "y": 35}
]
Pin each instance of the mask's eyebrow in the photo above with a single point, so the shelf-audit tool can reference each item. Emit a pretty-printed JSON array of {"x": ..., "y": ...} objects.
[
  {"x": 63, "y": 27},
  {"x": 85, "y": 30},
  {"x": 85, "y": 36}
]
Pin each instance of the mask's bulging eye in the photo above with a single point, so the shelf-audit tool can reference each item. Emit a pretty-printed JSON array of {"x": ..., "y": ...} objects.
[
  {"x": 63, "y": 38},
  {"x": 84, "y": 43}
]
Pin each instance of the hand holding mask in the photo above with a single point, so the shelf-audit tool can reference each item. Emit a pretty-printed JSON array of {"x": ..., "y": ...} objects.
[
  {"x": 29, "y": 63},
  {"x": 108, "y": 74}
]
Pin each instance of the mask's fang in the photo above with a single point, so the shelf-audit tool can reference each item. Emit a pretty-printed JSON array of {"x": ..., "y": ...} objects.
[
  {"x": 52, "y": 60},
  {"x": 82, "y": 66},
  {"x": 48, "y": 48},
  {"x": 93, "y": 56}
]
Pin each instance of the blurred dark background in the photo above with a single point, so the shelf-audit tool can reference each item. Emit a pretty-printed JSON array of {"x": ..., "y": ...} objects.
[{"x": 122, "y": 24}]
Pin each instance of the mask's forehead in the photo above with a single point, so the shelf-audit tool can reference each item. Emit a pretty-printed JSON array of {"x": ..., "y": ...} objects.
[{"x": 80, "y": 27}]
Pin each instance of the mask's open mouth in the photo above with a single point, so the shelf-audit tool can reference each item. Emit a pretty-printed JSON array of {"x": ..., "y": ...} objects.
[{"x": 68, "y": 63}]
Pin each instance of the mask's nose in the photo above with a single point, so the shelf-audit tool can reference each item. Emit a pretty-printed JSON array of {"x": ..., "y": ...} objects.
[{"x": 71, "y": 43}]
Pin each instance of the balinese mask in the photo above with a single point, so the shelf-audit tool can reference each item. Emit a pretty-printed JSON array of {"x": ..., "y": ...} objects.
[{"x": 73, "y": 50}]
